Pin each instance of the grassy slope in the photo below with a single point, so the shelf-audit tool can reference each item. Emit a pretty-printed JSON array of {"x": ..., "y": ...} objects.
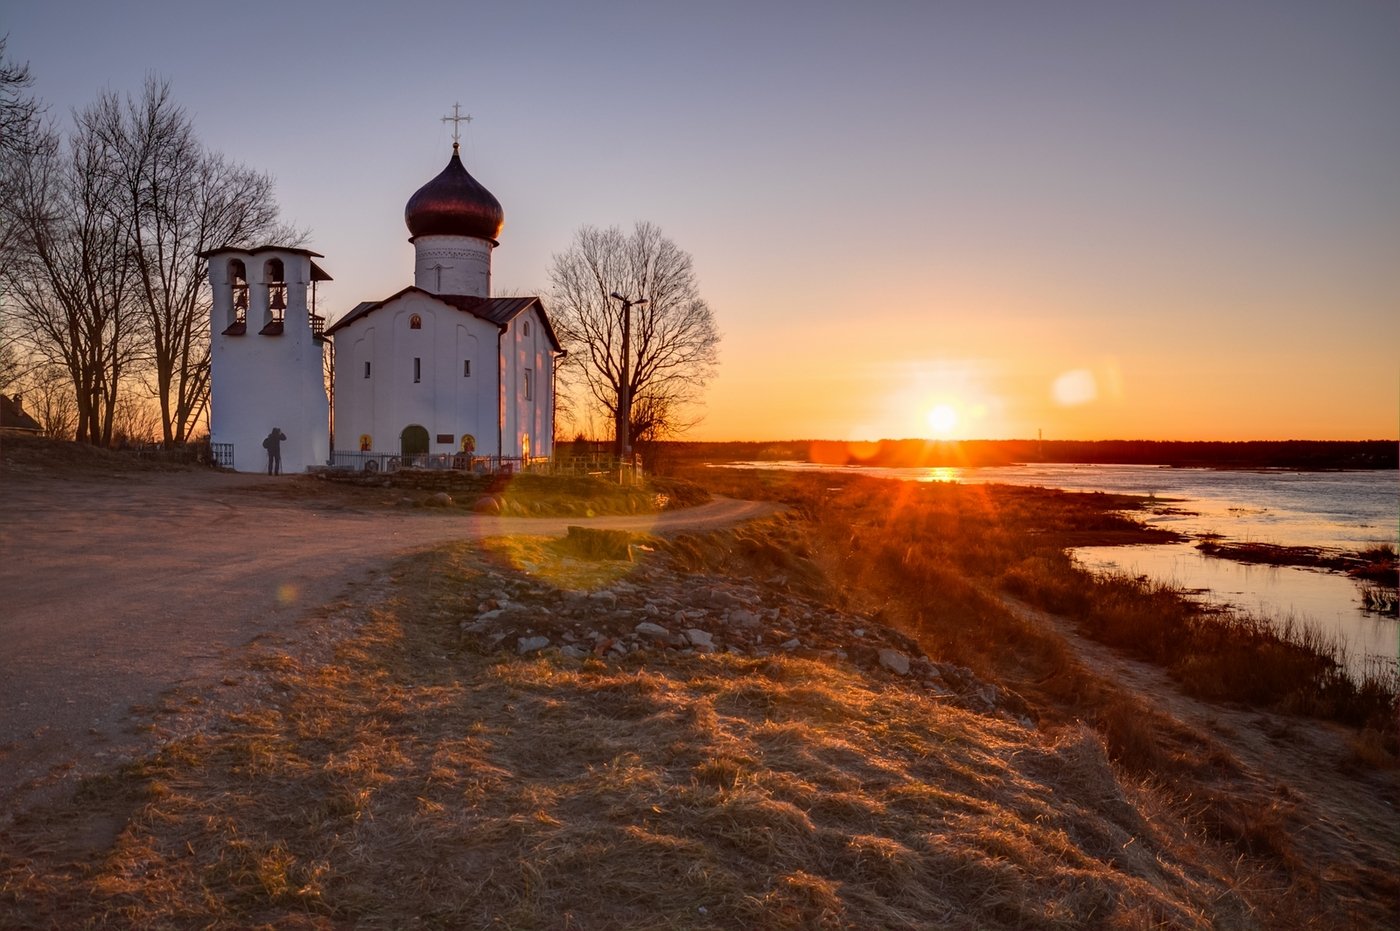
[{"x": 392, "y": 767}]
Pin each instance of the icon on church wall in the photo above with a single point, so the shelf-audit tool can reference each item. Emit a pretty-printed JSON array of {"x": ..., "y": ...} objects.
[
  {"x": 366, "y": 443},
  {"x": 468, "y": 443},
  {"x": 415, "y": 322}
]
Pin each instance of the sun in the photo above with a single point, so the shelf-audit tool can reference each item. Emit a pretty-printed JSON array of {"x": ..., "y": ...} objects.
[{"x": 943, "y": 420}]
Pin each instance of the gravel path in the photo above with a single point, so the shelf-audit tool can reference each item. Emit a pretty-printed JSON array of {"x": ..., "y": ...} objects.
[{"x": 116, "y": 589}]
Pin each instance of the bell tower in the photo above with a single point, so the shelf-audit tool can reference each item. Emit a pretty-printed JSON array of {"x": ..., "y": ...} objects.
[{"x": 267, "y": 355}]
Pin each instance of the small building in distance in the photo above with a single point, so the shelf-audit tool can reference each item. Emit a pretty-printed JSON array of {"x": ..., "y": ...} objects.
[
  {"x": 439, "y": 367},
  {"x": 13, "y": 419}
]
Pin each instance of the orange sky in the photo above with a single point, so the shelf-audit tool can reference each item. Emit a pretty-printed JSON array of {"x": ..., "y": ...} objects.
[{"x": 1185, "y": 215}]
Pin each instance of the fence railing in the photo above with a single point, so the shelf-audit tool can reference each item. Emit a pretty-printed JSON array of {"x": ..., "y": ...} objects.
[
  {"x": 459, "y": 462},
  {"x": 602, "y": 467},
  {"x": 221, "y": 454}
]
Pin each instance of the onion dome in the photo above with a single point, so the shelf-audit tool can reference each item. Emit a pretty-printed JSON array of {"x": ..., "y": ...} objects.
[{"x": 454, "y": 204}]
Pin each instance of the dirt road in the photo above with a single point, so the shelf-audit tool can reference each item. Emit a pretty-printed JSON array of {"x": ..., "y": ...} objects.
[{"x": 116, "y": 589}]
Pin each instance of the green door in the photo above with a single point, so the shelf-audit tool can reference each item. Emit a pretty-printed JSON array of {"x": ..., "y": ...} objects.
[{"x": 414, "y": 440}]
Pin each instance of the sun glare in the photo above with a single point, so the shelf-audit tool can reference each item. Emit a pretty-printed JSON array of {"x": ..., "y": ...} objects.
[{"x": 943, "y": 420}]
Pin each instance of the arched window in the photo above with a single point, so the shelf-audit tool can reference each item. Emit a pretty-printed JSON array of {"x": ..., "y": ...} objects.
[
  {"x": 238, "y": 284},
  {"x": 415, "y": 322},
  {"x": 276, "y": 281}
]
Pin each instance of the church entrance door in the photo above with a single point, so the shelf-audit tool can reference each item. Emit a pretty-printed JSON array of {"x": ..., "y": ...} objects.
[{"x": 413, "y": 441}]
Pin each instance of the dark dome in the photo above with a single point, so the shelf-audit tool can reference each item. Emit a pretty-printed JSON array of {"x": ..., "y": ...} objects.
[{"x": 454, "y": 204}]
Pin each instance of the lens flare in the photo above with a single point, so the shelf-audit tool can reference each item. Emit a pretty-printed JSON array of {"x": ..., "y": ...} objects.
[{"x": 1074, "y": 388}]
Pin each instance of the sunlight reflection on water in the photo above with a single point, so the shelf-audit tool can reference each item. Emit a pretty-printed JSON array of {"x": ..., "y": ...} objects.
[{"x": 1344, "y": 510}]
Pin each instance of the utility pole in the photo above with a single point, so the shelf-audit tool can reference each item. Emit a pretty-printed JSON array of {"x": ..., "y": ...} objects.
[{"x": 624, "y": 388}]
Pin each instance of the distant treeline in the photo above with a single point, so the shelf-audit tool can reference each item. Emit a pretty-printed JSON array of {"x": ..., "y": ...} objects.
[{"x": 1251, "y": 454}]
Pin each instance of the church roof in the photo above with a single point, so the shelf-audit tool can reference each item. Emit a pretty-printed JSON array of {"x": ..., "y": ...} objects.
[
  {"x": 454, "y": 204},
  {"x": 498, "y": 310}
]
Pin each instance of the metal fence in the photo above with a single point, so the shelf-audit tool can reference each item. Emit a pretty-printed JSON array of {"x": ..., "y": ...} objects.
[
  {"x": 601, "y": 467},
  {"x": 458, "y": 462},
  {"x": 221, "y": 454}
]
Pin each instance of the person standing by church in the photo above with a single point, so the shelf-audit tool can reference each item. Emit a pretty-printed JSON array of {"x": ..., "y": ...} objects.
[{"x": 273, "y": 445}]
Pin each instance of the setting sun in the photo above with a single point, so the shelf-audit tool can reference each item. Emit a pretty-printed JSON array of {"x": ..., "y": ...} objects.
[{"x": 943, "y": 420}]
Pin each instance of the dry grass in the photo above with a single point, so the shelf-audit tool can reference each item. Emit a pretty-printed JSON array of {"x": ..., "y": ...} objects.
[
  {"x": 406, "y": 775},
  {"x": 406, "y": 780}
]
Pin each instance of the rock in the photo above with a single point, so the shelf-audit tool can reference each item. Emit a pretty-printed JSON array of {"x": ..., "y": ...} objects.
[
  {"x": 699, "y": 638},
  {"x": 858, "y": 632},
  {"x": 895, "y": 661},
  {"x": 742, "y": 618},
  {"x": 724, "y": 599},
  {"x": 487, "y": 504},
  {"x": 440, "y": 500},
  {"x": 526, "y": 645},
  {"x": 574, "y": 652},
  {"x": 790, "y": 645},
  {"x": 604, "y": 597},
  {"x": 654, "y": 631}
]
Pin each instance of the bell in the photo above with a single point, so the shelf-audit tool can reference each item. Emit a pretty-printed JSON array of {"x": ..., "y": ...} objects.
[{"x": 277, "y": 301}]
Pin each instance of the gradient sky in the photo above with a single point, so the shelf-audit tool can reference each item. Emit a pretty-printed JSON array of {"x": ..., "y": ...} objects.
[{"x": 1164, "y": 220}]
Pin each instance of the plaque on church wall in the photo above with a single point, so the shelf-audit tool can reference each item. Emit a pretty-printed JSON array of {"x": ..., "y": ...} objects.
[{"x": 446, "y": 438}]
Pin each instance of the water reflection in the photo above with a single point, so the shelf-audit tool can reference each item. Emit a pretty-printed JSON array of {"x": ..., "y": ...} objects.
[
  {"x": 1324, "y": 602},
  {"x": 1343, "y": 510}
]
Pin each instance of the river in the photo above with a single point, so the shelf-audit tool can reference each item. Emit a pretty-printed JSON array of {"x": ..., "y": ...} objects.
[{"x": 1341, "y": 510}]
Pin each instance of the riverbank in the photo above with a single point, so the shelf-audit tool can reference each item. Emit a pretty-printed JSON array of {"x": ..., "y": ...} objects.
[{"x": 834, "y": 717}]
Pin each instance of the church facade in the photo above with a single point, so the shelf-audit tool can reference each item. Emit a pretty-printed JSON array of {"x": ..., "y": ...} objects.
[{"x": 439, "y": 368}]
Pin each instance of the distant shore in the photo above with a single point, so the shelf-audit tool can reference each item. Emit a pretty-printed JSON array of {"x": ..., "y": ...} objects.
[{"x": 1304, "y": 455}]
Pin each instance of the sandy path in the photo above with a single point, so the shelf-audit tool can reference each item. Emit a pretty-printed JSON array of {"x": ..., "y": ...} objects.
[{"x": 114, "y": 590}]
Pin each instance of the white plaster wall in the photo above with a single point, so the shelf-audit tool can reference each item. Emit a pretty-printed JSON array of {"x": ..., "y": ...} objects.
[
  {"x": 442, "y": 401},
  {"x": 465, "y": 261},
  {"x": 258, "y": 382},
  {"x": 528, "y": 418}
]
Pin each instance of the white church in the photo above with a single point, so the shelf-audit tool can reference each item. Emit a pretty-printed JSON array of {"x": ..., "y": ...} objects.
[{"x": 438, "y": 371}]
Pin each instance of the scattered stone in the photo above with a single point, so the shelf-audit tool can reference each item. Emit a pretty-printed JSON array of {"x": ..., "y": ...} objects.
[
  {"x": 574, "y": 652},
  {"x": 742, "y": 618},
  {"x": 526, "y": 645},
  {"x": 895, "y": 661},
  {"x": 487, "y": 504},
  {"x": 790, "y": 645},
  {"x": 654, "y": 631},
  {"x": 699, "y": 638},
  {"x": 440, "y": 499}
]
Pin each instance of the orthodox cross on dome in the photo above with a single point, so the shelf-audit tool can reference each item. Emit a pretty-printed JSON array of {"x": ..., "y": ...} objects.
[{"x": 457, "y": 119}]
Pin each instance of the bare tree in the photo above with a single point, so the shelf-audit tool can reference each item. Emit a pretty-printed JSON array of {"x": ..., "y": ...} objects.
[
  {"x": 71, "y": 276},
  {"x": 105, "y": 270},
  {"x": 674, "y": 345},
  {"x": 19, "y": 127},
  {"x": 48, "y": 398},
  {"x": 182, "y": 200}
]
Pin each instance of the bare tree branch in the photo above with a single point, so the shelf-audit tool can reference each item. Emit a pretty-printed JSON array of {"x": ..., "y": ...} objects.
[{"x": 674, "y": 341}]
